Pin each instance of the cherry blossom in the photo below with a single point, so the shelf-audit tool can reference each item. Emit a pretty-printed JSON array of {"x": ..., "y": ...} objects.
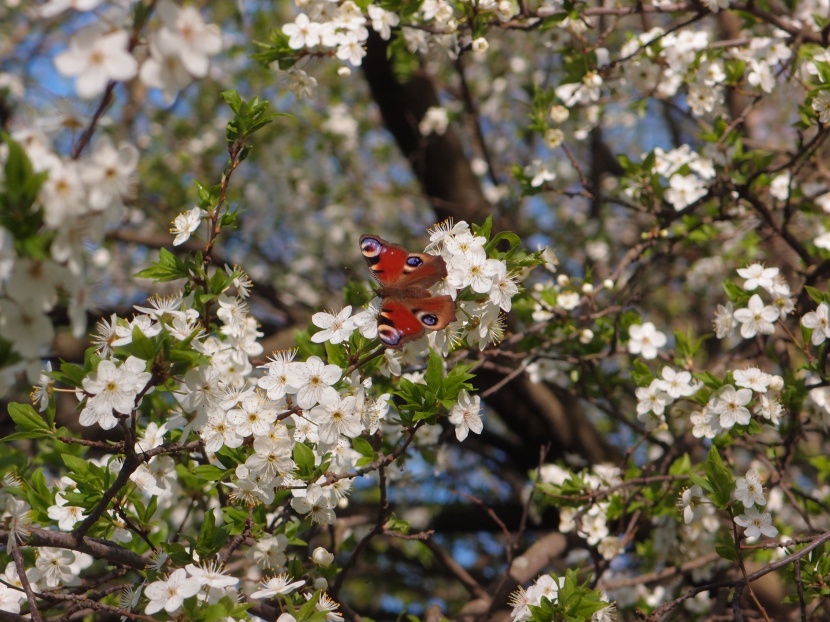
[
  {"x": 757, "y": 318},
  {"x": 94, "y": 58},
  {"x": 169, "y": 594},
  {"x": 645, "y": 339},
  {"x": 465, "y": 415}
]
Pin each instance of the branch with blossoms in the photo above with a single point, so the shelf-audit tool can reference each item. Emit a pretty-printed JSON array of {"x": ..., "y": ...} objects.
[{"x": 294, "y": 437}]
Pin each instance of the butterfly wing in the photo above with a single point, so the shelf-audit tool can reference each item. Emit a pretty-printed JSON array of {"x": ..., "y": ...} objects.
[
  {"x": 395, "y": 268},
  {"x": 401, "y": 320}
]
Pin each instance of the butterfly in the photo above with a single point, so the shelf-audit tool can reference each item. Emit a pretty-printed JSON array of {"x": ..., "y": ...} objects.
[{"x": 407, "y": 309}]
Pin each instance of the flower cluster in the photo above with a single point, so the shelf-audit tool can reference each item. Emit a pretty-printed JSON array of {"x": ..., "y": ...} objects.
[
  {"x": 179, "y": 52},
  {"x": 653, "y": 400},
  {"x": 75, "y": 203},
  {"x": 752, "y": 389},
  {"x": 343, "y": 28},
  {"x": 524, "y": 601},
  {"x": 688, "y": 174},
  {"x": 757, "y": 317},
  {"x": 663, "y": 63},
  {"x": 207, "y": 581},
  {"x": 54, "y": 567},
  {"x": 587, "y": 521},
  {"x": 468, "y": 270}
]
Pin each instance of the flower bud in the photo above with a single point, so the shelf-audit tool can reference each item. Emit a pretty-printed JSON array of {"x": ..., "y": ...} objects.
[{"x": 322, "y": 557}]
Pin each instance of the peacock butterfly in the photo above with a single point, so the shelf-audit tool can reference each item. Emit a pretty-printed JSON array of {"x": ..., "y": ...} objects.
[{"x": 407, "y": 309}]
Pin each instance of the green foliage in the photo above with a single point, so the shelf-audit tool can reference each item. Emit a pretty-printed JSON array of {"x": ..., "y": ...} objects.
[
  {"x": 28, "y": 423},
  {"x": 169, "y": 267},
  {"x": 365, "y": 449},
  {"x": 211, "y": 538},
  {"x": 814, "y": 568},
  {"x": 719, "y": 479},
  {"x": 304, "y": 459},
  {"x": 249, "y": 117},
  {"x": 424, "y": 401},
  {"x": 18, "y": 194}
]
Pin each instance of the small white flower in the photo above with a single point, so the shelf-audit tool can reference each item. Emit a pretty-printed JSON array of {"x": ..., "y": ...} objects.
[
  {"x": 651, "y": 399},
  {"x": 277, "y": 369},
  {"x": 691, "y": 502},
  {"x": 731, "y": 406},
  {"x": 169, "y": 594},
  {"x": 769, "y": 408},
  {"x": 705, "y": 424},
  {"x": 55, "y": 566},
  {"x": 95, "y": 58},
  {"x": 465, "y": 415},
  {"x": 819, "y": 322},
  {"x": 821, "y": 105},
  {"x": 334, "y": 417},
  {"x": 186, "y": 223},
  {"x": 749, "y": 490},
  {"x": 539, "y": 173},
  {"x": 435, "y": 121},
  {"x": 210, "y": 575},
  {"x": 111, "y": 389},
  {"x": 316, "y": 503},
  {"x": 677, "y": 383},
  {"x": 277, "y": 585},
  {"x": 313, "y": 380},
  {"x": 302, "y": 33},
  {"x": 66, "y": 515},
  {"x": 684, "y": 190},
  {"x": 336, "y": 327},
  {"x": 474, "y": 270},
  {"x": 504, "y": 287},
  {"x": 479, "y": 45},
  {"x": 756, "y": 524},
  {"x": 645, "y": 339},
  {"x": 757, "y": 275},
  {"x": 383, "y": 21},
  {"x": 724, "y": 321},
  {"x": 757, "y": 318},
  {"x": 568, "y": 300},
  {"x": 752, "y": 378}
]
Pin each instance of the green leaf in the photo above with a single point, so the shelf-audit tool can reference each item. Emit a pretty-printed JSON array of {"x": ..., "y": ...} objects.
[
  {"x": 142, "y": 346},
  {"x": 210, "y": 472},
  {"x": 178, "y": 554},
  {"x": 304, "y": 459},
  {"x": 18, "y": 194},
  {"x": 816, "y": 294},
  {"x": 434, "y": 375},
  {"x": 28, "y": 422},
  {"x": 233, "y": 99},
  {"x": 720, "y": 479},
  {"x": 363, "y": 447},
  {"x": 681, "y": 466},
  {"x": 210, "y": 538},
  {"x": 76, "y": 466},
  {"x": 511, "y": 238},
  {"x": 702, "y": 482},
  {"x": 734, "y": 292},
  {"x": 456, "y": 380},
  {"x": 725, "y": 546},
  {"x": 485, "y": 229},
  {"x": 38, "y": 493},
  {"x": 167, "y": 268}
]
